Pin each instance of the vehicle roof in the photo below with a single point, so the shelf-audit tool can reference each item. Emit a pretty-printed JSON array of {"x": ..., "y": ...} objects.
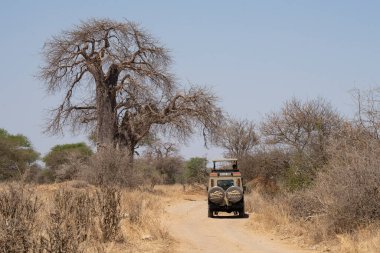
[{"x": 225, "y": 160}]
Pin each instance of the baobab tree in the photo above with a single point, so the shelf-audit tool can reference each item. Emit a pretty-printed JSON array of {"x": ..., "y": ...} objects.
[{"x": 116, "y": 81}]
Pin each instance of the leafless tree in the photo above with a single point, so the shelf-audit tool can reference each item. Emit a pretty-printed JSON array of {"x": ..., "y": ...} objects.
[
  {"x": 159, "y": 149},
  {"x": 302, "y": 126},
  {"x": 237, "y": 137},
  {"x": 176, "y": 114},
  {"x": 368, "y": 110},
  {"x": 116, "y": 80}
]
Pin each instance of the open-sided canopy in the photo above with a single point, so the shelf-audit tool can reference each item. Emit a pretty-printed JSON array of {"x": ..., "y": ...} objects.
[{"x": 225, "y": 160}]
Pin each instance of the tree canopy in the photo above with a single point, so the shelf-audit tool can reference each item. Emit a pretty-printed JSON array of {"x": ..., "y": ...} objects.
[
  {"x": 116, "y": 82},
  {"x": 196, "y": 170},
  {"x": 16, "y": 154},
  {"x": 61, "y": 154},
  {"x": 237, "y": 137}
]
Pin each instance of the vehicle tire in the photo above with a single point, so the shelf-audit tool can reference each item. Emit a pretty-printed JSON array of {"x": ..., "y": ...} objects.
[
  {"x": 242, "y": 213},
  {"x": 210, "y": 213},
  {"x": 234, "y": 194},
  {"x": 216, "y": 195}
]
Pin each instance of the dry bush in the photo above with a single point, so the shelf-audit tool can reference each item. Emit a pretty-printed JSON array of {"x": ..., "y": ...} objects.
[
  {"x": 347, "y": 192},
  {"x": 70, "y": 222},
  {"x": 304, "y": 204},
  {"x": 342, "y": 203},
  {"x": 170, "y": 168},
  {"x": 70, "y": 169},
  {"x": 110, "y": 214},
  {"x": 111, "y": 167},
  {"x": 18, "y": 219},
  {"x": 350, "y": 196},
  {"x": 85, "y": 219},
  {"x": 264, "y": 169},
  {"x": 151, "y": 176},
  {"x": 366, "y": 240},
  {"x": 264, "y": 163}
]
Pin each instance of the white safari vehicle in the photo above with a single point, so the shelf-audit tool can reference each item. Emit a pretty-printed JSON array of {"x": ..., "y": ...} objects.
[{"x": 225, "y": 188}]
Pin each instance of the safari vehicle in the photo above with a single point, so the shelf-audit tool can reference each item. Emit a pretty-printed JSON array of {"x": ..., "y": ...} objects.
[{"x": 225, "y": 188}]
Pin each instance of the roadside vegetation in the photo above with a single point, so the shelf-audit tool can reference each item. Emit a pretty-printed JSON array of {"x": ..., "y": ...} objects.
[
  {"x": 316, "y": 175},
  {"x": 78, "y": 217}
]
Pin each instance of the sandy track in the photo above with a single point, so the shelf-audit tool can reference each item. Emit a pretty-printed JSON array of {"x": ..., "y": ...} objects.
[{"x": 187, "y": 222}]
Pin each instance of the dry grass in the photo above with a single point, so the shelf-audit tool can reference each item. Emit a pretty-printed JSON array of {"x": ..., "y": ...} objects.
[
  {"x": 364, "y": 241},
  {"x": 274, "y": 216},
  {"x": 19, "y": 209},
  {"x": 72, "y": 217}
]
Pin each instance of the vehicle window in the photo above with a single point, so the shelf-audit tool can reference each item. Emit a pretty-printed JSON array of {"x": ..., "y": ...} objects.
[
  {"x": 225, "y": 166},
  {"x": 225, "y": 184}
]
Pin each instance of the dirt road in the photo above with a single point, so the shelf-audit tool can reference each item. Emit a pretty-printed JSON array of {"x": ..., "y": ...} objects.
[{"x": 188, "y": 223}]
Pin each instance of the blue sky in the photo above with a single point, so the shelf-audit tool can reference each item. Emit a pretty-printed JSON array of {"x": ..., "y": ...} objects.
[{"x": 254, "y": 54}]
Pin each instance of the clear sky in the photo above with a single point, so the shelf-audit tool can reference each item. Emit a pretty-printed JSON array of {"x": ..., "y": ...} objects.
[{"x": 255, "y": 54}]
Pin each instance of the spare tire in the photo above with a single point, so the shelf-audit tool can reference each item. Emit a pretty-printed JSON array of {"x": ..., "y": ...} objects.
[
  {"x": 216, "y": 195},
  {"x": 234, "y": 194}
]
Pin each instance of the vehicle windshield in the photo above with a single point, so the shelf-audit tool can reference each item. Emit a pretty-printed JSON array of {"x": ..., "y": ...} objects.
[{"x": 225, "y": 184}]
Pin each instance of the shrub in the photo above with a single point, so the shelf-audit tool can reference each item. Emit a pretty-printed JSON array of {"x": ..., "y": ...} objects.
[
  {"x": 346, "y": 193},
  {"x": 18, "y": 214},
  {"x": 71, "y": 221},
  {"x": 170, "y": 168},
  {"x": 196, "y": 170},
  {"x": 350, "y": 195},
  {"x": 111, "y": 167},
  {"x": 45, "y": 176},
  {"x": 109, "y": 210},
  {"x": 264, "y": 163}
]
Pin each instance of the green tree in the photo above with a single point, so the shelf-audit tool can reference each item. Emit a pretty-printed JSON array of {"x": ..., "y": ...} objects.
[
  {"x": 16, "y": 155},
  {"x": 196, "y": 170},
  {"x": 62, "y": 154}
]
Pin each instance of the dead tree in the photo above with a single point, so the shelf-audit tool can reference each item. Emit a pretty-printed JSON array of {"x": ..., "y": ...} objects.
[
  {"x": 304, "y": 127},
  {"x": 116, "y": 80},
  {"x": 368, "y": 110},
  {"x": 237, "y": 137},
  {"x": 175, "y": 113}
]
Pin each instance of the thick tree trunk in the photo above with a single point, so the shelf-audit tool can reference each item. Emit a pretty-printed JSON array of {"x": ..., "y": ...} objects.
[
  {"x": 106, "y": 127},
  {"x": 131, "y": 153},
  {"x": 106, "y": 109}
]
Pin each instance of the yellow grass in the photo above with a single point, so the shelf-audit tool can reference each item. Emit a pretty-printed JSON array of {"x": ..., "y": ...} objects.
[
  {"x": 270, "y": 216},
  {"x": 366, "y": 240},
  {"x": 141, "y": 226}
]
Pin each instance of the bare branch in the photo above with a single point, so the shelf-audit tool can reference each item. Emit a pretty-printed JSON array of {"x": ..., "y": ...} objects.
[{"x": 116, "y": 76}]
